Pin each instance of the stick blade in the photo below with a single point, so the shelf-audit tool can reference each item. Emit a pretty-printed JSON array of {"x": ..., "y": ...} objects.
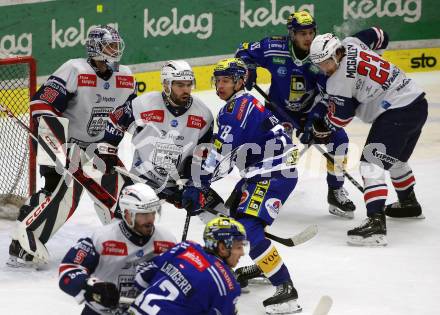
[
  {"x": 324, "y": 305},
  {"x": 305, "y": 235}
]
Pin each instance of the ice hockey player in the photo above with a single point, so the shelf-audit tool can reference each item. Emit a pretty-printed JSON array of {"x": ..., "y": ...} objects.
[
  {"x": 191, "y": 279},
  {"x": 77, "y": 97},
  {"x": 295, "y": 83},
  {"x": 100, "y": 269},
  {"x": 166, "y": 127},
  {"x": 251, "y": 136},
  {"x": 361, "y": 83}
]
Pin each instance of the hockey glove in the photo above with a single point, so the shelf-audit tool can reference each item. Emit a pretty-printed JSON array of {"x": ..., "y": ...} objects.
[
  {"x": 305, "y": 135},
  {"x": 193, "y": 199},
  {"x": 321, "y": 133},
  {"x": 103, "y": 293},
  {"x": 107, "y": 155}
]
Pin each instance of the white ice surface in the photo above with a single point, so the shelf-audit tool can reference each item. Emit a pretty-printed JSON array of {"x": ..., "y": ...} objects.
[{"x": 400, "y": 279}]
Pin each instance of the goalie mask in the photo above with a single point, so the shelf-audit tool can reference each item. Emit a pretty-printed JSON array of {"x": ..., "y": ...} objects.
[
  {"x": 105, "y": 44},
  {"x": 138, "y": 198}
]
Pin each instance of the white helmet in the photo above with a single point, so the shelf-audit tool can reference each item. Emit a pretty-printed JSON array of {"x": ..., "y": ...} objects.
[
  {"x": 138, "y": 198},
  {"x": 176, "y": 70},
  {"x": 324, "y": 47}
]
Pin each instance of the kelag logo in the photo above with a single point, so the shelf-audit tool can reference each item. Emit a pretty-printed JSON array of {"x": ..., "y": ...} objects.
[{"x": 423, "y": 62}]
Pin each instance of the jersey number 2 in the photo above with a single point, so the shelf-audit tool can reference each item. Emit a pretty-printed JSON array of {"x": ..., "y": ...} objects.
[
  {"x": 373, "y": 66},
  {"x": 165, "y": 286}
]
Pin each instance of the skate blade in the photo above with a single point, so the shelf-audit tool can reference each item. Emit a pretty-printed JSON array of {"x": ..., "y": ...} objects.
[
  {"x": 340, "y": 213},
  {"x": 259, "y": 281},
  {"x": 373, "y": 240},
  {"x": 289, "y": 307},
  {"x": 419, "y": 217},
  {"x": 18, "y": 264}
]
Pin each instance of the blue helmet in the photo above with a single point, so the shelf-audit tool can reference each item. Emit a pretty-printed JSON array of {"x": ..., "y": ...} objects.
[
  {"x": 301, "y": 20},
  {"x": 222, "y": 229}
]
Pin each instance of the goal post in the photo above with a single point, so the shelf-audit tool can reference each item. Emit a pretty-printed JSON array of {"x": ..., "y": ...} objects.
[{"x": 17, "y": 152}]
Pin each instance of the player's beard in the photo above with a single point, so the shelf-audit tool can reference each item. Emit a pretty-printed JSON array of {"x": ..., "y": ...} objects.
[{"x": 144, "y": 229}]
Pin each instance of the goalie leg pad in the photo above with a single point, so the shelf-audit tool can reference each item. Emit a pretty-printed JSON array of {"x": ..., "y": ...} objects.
[{"x": 53, "y": 130}]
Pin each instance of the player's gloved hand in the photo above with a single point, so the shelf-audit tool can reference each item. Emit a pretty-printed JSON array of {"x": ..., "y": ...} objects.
[
  {"x": 321, "y": 133},
  {"x": 175, "y": 198},
  {"x": 193, "y": 199},
  {"x": 306, "y": 134},
  {"x": 108, "y": 155},
  {"x": 103, "y": 293}
]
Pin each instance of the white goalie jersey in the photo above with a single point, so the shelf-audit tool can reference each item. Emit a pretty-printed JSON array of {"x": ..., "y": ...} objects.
[
  {"x": 76, "y": 92},
  {"x": 365, "y": 85}
]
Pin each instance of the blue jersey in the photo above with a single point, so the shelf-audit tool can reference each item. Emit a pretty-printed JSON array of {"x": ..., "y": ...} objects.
[
  {"x": 187, "y": 281},
  {"x": 250, "y": 137},
  {"x": 293, "y": 80}
]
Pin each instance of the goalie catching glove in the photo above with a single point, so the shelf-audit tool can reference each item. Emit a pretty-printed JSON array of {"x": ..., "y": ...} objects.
[{"x": 103, "y": 293}]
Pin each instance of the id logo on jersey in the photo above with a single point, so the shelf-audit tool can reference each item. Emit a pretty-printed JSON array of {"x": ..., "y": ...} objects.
[
  {"x": 195, "y": 122},
  {"x": 87, "y": 80}
]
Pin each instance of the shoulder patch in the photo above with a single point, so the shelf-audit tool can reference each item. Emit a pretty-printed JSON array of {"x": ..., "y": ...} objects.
[{"x": 230, "y": 107}]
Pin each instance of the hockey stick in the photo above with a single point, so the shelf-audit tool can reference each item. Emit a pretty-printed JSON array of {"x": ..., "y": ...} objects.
[
  {"x": 324, "y": 305},
  {"x": 186, "y": 226},
  {"x": 101, "y": 196},
  {"x": 295, "y": 240},
  {"x": 286, "y": 116}
]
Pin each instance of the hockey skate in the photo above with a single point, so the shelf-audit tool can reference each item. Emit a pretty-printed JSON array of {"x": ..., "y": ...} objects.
[
  {"x": 408, "y": 208},
  {"x": 250, "y": 275},
  {"x": 339, "y": 203},
  {"x": 372, "y": 232},
  {"x": 18, "y": 257},
  {"x": 283, "y": 301}
]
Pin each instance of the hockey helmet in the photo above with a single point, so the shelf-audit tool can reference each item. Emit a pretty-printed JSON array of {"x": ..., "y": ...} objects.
[
  {"x": 176, "y": 70},
  {"x": 105, "y": 44},
  {"x": 324, "y": 47},
  {"x": 231, "y": 67},
  {"x": 301, "y": 20},
  {"x": 138, "y": 198},
  {"x": 222, "y": 229}
]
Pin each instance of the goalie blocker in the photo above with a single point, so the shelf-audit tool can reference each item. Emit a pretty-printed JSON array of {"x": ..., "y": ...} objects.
[{"x": 46, "y": 211}]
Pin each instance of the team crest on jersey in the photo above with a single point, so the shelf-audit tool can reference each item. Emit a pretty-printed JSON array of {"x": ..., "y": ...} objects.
[
  {"x": 114, "y": 248},
  {"x": 230, "y": 107},
  {"x": 124, "y": 82},
  {"x": 166, "y": 157},
  {"x": 195, "y": 122},
  {"x": 98, "y": 120},
  {"x": 282, "y": 71},
  {"x": 87, "y": 80},
  {"x": 153, "y": 115}
]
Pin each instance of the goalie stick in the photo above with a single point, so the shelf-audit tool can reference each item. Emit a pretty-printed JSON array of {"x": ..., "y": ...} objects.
[
  {"x": 305, "y": 235},
  {"x": 324, "y": 305}
]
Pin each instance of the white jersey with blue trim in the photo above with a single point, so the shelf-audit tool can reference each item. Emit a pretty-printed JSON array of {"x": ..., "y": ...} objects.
[{"x": 369, "y": 83}]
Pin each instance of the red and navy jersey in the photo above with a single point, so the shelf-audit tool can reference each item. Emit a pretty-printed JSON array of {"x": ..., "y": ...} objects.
[{"x": 186, "y": 280}]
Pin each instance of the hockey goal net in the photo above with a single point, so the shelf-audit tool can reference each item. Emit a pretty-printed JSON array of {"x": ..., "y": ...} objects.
[{"x": 17, "y": 158}]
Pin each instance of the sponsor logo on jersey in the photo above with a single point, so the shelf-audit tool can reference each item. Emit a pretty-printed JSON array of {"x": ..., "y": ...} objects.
[
  {"x": 153, "y": 115},
  {"x": 106, "y": 85},
  {"x": 279, "y": 60},
  {"x": 225, "y": 275},
  {"x": 273, "y": 206},
  {"x": 257, "y": 198},
  {"x": 192, "y": 256},
  {"x": 255, "y": 45},
  {"x": 100, "y": 98},
  {"x": 244, "y": 197},
  {"x": 195, "y": 122},
  {"x": 241, "y": 109},
  {"x": 160, "y": 247},
  {"x": 79, "y": 257},
  {"x": 124, "y": 82},
  {"x": 114, "y": 248},
  {"x": 98, "y": 120},
  {"x": 270, "y": 261},
  {"x": 297, "y": 88},
  {"x": 282, "y": 71},
  {"x": 87, "y": 80},
  {"x": 385, "y": 104}
]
